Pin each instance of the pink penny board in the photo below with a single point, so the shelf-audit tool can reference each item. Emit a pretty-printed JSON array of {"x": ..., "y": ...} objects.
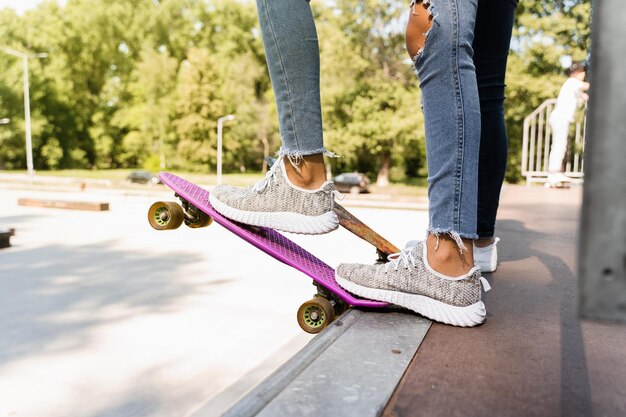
[{"x": 269, "y": 241}]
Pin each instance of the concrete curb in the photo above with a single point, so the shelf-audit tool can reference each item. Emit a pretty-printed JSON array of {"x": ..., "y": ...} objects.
[{"x": 351, "y": 369}]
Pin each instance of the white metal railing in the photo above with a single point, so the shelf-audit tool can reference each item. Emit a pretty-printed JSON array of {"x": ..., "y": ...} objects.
[{"x": 538, "y": 139}]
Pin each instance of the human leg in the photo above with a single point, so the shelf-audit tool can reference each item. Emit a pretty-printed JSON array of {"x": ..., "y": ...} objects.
[
  {"x": 492, "y": 38},
  {"x": 447, "y": 258},
  {"x": 437, "y": 278},
  {"x": 558, "y": 147},
  {"x": 292, "y": 53},
  {"x": 560, "y": 131},
  {"x": 295, "y": 195},
  {"x": 452, "y": 124}
]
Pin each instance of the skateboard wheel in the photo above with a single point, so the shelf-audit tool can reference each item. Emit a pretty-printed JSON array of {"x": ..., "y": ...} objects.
[
  {"x": 202, "y": 220},
  {"x": 315, "y": 315},
  {"x": 165, "y": 215}
]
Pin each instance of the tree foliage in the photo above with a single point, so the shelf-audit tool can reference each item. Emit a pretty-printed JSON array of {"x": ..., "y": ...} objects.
[{"x": 142, "y": 82}]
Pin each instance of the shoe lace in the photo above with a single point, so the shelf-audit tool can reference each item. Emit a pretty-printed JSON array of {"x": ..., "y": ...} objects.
[
  {"x": 334, "y": 195},
  {"x": 404, "y": 258},
  {"x": 260, "y": 186}
]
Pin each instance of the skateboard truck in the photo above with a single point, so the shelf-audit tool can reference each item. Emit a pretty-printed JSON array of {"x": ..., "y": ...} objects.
[
  {"x": 317, "y": 313},
  {"x": 194, "y": 217},
  {"x": 382, "y": 257},
  {"x": 169, "y": 215}
]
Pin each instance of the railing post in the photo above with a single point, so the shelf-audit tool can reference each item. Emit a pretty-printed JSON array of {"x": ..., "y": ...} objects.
[
  {"x": 525, "y": 148},
  {"x": 548, "y": 136},
  {"x": 602, "y": 244},
  {"x": 536, "y": 141}
]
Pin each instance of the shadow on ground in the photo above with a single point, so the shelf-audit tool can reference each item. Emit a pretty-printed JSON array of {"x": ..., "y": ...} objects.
[{"x": 51, "y": 297}]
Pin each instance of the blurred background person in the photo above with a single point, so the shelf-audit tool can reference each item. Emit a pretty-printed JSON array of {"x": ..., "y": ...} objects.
[{"x": 572, "y": 93}]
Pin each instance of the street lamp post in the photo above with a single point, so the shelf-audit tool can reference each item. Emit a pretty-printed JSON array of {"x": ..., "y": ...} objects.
[
  {"x": 220, "y": 123},
  {"x": 29, "y": 140}
]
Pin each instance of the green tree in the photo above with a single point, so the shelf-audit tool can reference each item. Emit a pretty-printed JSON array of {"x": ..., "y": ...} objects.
[
  {"x": 125, "y": 80},
  {"x": 148, "y": 116}
]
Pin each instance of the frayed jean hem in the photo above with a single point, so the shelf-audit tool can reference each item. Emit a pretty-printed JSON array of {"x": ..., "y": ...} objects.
[
  {"x": 456, "y": 236},
  {"x": 295, "y": 157}
]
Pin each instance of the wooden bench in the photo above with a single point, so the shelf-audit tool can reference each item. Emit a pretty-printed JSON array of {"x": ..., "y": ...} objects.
[{"x": 61, "y": 204}]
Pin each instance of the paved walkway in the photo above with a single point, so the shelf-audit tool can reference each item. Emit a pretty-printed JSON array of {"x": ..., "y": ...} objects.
[
  {"x": 105, "y": 317},
  {"x": 105, "y": 321},
  {"x": 533, "y": 356}
]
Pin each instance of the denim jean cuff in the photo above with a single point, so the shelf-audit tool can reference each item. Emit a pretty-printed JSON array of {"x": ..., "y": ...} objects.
[
  {"x": 456, "y": 236},
  {"x": 295, "y": 157}
]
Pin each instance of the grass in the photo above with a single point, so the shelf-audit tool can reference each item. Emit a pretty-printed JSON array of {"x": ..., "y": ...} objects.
[
  {"x": 415, "y": 187},
  {"x": 119, "y": 175}
]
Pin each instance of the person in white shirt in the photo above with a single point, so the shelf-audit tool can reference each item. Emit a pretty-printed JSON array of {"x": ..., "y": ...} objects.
[{"x": 571, "y": 95}]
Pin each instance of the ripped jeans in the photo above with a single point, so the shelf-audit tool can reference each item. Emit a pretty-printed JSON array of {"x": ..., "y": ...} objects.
[
  {"x": 461, "y": 64},
  {"x": 461, "y": 68}
]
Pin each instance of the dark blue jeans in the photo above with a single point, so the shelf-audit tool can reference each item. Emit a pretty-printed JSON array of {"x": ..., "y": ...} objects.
[{"x": 492, "y": 38}]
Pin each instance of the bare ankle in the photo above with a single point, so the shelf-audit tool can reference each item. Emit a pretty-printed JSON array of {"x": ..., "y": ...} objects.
[
  {"x": 310, "y": 173},
  {"x": 445, "y": 256}
]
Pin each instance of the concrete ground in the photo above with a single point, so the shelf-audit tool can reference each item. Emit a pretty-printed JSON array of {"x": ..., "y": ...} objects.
[
  {"x": 103, "y": 316},
  {"x": 533, "y": 356}
]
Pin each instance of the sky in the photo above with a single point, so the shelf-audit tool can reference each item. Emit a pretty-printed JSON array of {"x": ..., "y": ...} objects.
[{"x": 20, "y": 5}]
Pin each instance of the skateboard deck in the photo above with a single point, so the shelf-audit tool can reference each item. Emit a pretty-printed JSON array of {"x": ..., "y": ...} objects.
[
  {"x": 269, "y": 241},
  {"x": 347, "y": 220}
]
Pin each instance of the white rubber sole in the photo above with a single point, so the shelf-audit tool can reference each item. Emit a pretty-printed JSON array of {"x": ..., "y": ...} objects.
[
  {"x": 469, "y": 316},
  {"x": 283, "y": 221}
]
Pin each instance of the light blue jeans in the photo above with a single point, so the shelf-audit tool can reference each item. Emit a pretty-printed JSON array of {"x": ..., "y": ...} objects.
[
  {"x": 450, "y": 98},
  {"x": 293, "y": 60},
  {"x": 451, "y": 118}
]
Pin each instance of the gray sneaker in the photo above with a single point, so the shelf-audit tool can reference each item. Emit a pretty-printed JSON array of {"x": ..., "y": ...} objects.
[
  {"x": 276, "y": 203},
  {"x": 408, "y": 281}
]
